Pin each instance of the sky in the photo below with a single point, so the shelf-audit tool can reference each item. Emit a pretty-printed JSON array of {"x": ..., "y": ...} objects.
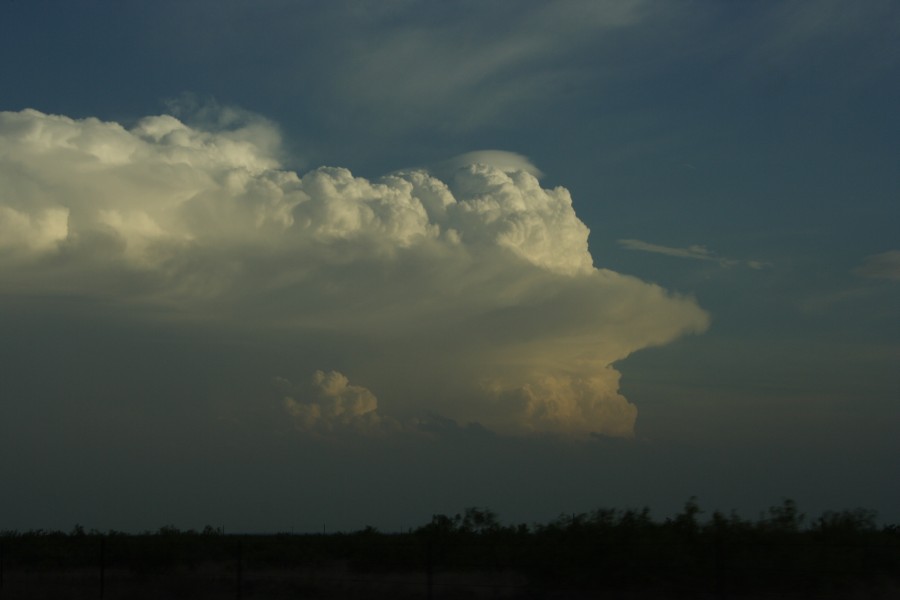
[{"x": 294, "y": 266}]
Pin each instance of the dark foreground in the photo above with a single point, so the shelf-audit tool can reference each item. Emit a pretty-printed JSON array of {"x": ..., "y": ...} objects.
[{"x": 605, "y": 554}]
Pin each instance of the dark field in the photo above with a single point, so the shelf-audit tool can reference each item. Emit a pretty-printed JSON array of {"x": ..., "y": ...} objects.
[{"x": 607, "y": 553}]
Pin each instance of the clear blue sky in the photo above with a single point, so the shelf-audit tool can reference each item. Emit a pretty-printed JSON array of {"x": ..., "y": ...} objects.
[{"x": 201, "y": 324}]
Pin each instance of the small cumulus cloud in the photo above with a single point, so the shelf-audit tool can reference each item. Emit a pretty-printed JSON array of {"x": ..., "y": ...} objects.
[
  {"x": 694, "y": 252},
  {"x": 475, "y": 286},
  {"x": 330, "y": 402},
  {"x": 881, "y": 266}
]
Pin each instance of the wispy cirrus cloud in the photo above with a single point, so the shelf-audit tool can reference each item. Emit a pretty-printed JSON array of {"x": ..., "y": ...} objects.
[
  {"x": 475, "y": 69},
  {"x": 693, "y": 252}
]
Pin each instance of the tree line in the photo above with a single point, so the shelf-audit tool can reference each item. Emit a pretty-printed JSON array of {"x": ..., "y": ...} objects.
[{"x": 605, "y": 549}]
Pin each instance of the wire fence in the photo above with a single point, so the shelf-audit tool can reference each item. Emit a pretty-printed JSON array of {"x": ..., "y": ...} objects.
[{"x": 367, "y": 565}]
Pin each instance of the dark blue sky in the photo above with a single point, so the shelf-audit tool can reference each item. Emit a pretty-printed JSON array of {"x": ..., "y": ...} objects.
[{"x": 742, "y": 155}]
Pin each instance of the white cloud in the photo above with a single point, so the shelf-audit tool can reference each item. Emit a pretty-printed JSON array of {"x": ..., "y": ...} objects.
[
  {"x": 479, "y": 291},
  {"x": 563, "y": 402},
  {"x": 39, "y": 231},
  {"x": 508, "y": 162},
  {"x": 331, "y": 403}
]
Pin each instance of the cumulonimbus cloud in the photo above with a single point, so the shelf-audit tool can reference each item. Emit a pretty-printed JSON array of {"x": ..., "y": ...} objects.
[{"x": 479, "y": 288}]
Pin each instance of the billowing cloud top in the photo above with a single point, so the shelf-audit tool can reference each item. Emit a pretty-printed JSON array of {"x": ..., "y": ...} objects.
[{"x": 481, "y": 286}]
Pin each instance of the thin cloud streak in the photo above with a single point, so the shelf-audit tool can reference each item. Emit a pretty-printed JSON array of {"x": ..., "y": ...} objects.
[
  {"x": 693, "y": 252},
  {"x": 881, "y": 266}
]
